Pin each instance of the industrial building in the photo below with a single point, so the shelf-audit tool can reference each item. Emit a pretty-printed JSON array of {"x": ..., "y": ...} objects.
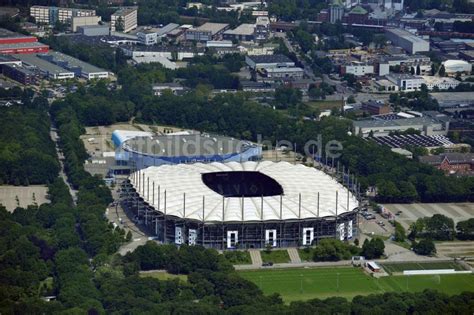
[
  {"x": 406, "y": 82},
  {"x": 428, "y": 125},
  {"x": 79, "y": 68},
  {"x": 205, "y": 32},
  {"x": 268, "y": 61},
  {"x": 19, "y": 74},
  {"x": 44, "y": 68},
  {"x": 243, "y": 32},
  {"x": 142, "y": 151},
  {"x": 406, "y": 40},
  {"x": 51, "y": 15},
  {"x": 241, "y": 205},
  {"x": 124, "y": 20},
  {"x": 14, "y": 43}
]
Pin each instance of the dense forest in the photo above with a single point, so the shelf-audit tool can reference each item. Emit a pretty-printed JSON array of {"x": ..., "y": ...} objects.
[{"x": 27, "y": 154}]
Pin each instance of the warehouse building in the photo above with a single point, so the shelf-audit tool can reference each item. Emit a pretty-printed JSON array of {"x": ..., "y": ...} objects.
[
  {"x": 243, "y": 32},
  {"x": 377, "y": 127},
  {"x": 78, "y": 67},
  {"x": 44, "y": 68},
  {"x": 406, "y": 40},
  {"x": 206, "y": 32},
  {"x": 14, "y": 43},
  {"x": 268, "y": 61}
]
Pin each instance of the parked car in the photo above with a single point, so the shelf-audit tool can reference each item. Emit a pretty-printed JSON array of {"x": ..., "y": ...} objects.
[{"x": 267, "y": 264}]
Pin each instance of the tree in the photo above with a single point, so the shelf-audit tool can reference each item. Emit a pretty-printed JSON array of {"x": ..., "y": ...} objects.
[
  {"x": 442, "y": 71},
  {"x": 119, "y": 24},
  {"x": 465, "y": 229},
  {"x": 418, "y": 70},
  {"x": 351, "y": 99},
  {"x": 400, "y": 234},
  {"x": 286, "y": 97},
  {"x": 425, "y": 247},
  {"x": 373, "y": 249}
]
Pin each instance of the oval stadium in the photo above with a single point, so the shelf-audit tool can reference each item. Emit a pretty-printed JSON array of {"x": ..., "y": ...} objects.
[{"x": 241, "y": 205}]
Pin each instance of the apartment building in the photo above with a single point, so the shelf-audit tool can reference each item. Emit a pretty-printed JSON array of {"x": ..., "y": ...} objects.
[
  {"x": 124, "y": 20},
  {"x": 50, "y": 15}
]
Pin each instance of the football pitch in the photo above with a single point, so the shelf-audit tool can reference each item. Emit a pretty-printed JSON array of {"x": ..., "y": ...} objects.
[{"x": 310, "y": 283}]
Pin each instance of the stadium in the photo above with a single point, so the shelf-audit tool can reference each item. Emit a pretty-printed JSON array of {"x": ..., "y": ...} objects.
[
  {"x": 139, "y": 150},
  {"x": 241, "y": 205}
]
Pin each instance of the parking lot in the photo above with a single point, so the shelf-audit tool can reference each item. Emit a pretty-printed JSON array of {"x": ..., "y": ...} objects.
[{"x": 411, "y": 212}]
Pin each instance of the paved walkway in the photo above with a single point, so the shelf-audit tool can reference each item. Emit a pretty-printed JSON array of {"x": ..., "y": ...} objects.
[
  {"x": 294, "y": 255},
  {"x": 256, "y": 257}
]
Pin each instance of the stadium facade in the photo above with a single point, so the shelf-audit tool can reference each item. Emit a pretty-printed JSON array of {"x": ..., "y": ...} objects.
[
  {"x": 241, "y": 205},
  {"x": 140, "y": 150}
]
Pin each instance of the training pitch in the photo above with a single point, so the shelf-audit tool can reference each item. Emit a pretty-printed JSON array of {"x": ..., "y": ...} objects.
[{"x": 304, "y": 284}]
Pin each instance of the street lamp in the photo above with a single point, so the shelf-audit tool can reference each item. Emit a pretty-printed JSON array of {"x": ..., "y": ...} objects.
[
  {"x": 338, "y": 282},
  {"x": 301, "y": 283}
]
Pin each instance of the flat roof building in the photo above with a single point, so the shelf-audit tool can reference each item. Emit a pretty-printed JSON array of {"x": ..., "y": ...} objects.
[
  {"x": 378, "y": 127},
  {"x": 205, "y": 32},
  {"x": 19, "y": 74},
  {"x": 268, "y": 61},
  {"x": 77, "y": 21},
  {"x": 411, "y": 43},
  {"x": 50, "y": 15},
  {"x": 79, "y": 67},
  {"x": 243, "y": 32},
  {"x": 124, "y": 20},
  {"x": 44, "y": 68}
]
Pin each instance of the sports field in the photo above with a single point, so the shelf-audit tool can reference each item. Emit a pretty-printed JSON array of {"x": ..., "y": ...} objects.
[{"x": 304, "y": 284}]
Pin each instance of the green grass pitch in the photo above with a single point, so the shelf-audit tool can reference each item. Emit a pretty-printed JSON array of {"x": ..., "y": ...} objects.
[{"x": 304, "y": 284}]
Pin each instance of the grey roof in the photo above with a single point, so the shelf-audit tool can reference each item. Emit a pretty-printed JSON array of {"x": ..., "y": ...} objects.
[
  {"x": 270, "y": 58},
  {"x": 167, "y": 28},
  {"x": 453, "y": 97},
  {"x": 242, "y": 29},
  {"x": 42, "y": 64},
  {"x": 453, "y": 158},
  {"x": 73, "y": 62},
  {"x": 211, "y": 27}
]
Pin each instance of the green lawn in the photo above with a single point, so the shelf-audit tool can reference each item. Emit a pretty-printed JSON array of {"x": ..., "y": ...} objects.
[
  {"x": 306, "y": 255},
  {"x": 393, "y": 267},
  {"x": 275, "y": 256},
  {"x": 304, "y": 284},
  {"x": 238, "y": 257},
  {"x": 163, "y": 275}
]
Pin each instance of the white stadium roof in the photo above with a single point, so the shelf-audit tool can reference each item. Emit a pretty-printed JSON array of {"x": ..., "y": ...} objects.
[{"x": 185, "y": 189}]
